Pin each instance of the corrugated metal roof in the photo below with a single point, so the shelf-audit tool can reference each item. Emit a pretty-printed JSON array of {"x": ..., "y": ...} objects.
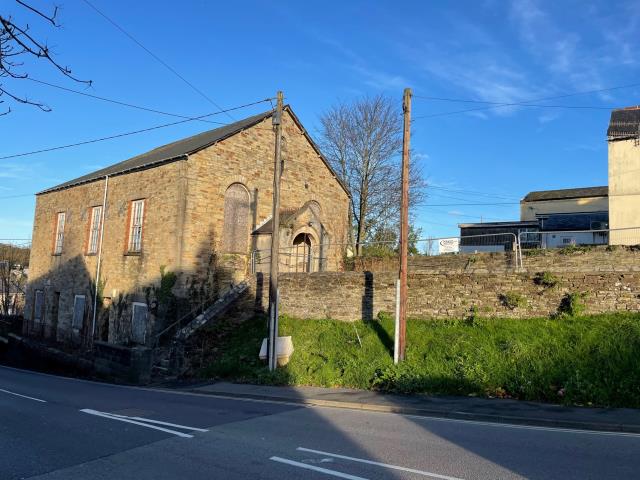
[
  {"x": 166, "y": 153},
  {"x": 566, "y": 193},
  {"x": 624, "y": 124}
]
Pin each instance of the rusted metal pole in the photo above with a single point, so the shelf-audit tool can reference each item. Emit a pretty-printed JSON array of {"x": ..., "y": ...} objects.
[
  {"x": 275, "y": 240},
  {"x": 404, "y": 225}
]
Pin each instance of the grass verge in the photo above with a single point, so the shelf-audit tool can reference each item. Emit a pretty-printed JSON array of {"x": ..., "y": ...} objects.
[{"x": 589, "y": 360}]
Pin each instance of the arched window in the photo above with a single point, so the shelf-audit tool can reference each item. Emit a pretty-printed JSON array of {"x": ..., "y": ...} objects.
[{"x": 235, "y": 234}]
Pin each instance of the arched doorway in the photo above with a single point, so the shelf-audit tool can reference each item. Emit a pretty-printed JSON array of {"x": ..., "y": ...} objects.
[{"x": 303, "y": 252}]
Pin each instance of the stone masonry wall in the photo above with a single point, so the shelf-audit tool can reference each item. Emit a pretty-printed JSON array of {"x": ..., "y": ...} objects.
[
  {"x": 361, "y": 295},
  {"x": 247, "y": 158},
  {"x": 73, "y": 272},
  {"x": 183, "y": 220},
  {"x": 590, "y": 259}
]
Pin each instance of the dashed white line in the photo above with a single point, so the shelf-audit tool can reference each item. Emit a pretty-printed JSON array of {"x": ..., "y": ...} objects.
[
  {"x": 135, "y": 422},
  {"x": 23, "y": 396},
  {"x": 380, "y": 464},
  {"x": 316, "y": 469}
]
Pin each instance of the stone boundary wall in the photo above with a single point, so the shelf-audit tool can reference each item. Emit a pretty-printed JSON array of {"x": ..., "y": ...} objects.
[
  {"x": 580, "y": 259},
  {"x": 362, "y": 295}
]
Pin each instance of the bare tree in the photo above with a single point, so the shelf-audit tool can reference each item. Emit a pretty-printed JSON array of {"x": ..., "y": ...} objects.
[
  {"x": 18, "y": 43},
  {"x": 362, "y": 140},
  {"x": 13, "y": 279}
]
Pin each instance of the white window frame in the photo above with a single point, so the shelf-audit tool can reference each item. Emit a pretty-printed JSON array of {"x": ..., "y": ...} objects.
[
  {"x": 136, "y": 224},
  {"x": 59, "y": 238},
  {"x": 73, "y": 317},
  {"x": 133, "y": 316},
  {"x": 94, "y": 229}
]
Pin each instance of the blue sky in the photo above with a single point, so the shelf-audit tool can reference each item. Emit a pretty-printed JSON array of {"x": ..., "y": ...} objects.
[{"x": 321, "y": 52}]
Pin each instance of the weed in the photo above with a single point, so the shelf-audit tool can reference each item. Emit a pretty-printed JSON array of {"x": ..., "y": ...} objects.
[
  {"x": 575, "y": 249},
  {"x": 572, "y": 304},
  {"x": 546, "y": 279},
  {"x": 512, "y": 300}
]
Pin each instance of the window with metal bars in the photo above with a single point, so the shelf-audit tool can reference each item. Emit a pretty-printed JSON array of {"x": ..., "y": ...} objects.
[
  {"x": 135, "y": 226},
  {"x": 59, "y": 238},
  {"x": 94, "y": 229}
]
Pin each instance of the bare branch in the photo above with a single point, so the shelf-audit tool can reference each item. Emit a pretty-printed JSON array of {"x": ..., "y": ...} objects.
[
  {"x": 362, "y": 140},
  {"x": 16, "y": 41},
  {"x": 51, "y": 18}
]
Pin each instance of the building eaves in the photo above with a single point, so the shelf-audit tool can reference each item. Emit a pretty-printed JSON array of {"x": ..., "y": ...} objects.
[
  {"x": 166, "y": 153},
  {"x": 566, "y": 194},
  {"x": 516, "y": 223},
  {"x": 624, "y": 124}
]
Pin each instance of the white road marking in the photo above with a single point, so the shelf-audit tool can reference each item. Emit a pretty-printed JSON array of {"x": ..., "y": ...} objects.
[
  {"x": 23, "y": 396},
  {"x": 135, "y": 422},
  {"x": 316, "y": 469},
  {"x": 149, "y": 420},
  {"x": 380, "y": 464},
  {"x": 426, "y": 418}
]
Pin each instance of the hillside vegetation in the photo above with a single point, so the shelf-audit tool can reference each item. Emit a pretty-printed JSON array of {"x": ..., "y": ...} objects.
[{"x": 590, "y": 360}]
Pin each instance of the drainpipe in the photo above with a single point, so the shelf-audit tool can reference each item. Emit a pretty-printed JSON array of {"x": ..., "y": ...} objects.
[{"x": 95, "y": 295}]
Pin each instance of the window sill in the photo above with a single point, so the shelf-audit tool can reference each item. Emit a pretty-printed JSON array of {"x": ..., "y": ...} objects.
[
  {"x": 90, "y": 254},
  {"x": 132, "y": 254},
  {"x": 56, "y": 254}
]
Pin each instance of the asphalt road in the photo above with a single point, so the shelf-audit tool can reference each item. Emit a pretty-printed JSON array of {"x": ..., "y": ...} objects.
[{"x": 60, "y": 428}]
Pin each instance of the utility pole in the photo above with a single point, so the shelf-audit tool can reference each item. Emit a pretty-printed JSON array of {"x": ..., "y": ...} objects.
[
  {"x": 404, "y": 226},
  {"x": 275, "y": 240}
]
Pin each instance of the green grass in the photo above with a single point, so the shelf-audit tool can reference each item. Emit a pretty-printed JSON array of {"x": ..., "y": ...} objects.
[{"x": 592, "y": 360}]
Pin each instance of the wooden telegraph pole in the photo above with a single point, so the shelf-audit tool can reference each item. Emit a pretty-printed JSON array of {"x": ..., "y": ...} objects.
[
  {"x": 404, "y": 225},
  {"x": 275, "y": 240}
]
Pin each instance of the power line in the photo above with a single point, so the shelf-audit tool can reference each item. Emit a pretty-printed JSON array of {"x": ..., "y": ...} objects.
[
  {"x": 471, "y": 192},
  {"x": 162, "y": 62},
  {"x": 466, "y": 204},
  {"x": 17, "y": 196},
  {"x": 521, "y": 104},
  {"x": 469, "y": 201},
  {"x": 119, "y": 102},
  {"x": 125, "y": 134},
  {"x": 526, "y": 102}
]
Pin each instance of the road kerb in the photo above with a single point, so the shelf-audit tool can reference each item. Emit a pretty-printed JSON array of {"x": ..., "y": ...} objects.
[{"x": 434, "y": 413}]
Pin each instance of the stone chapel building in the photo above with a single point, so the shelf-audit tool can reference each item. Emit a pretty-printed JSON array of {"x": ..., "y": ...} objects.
[{"x": 182, "y": 210}]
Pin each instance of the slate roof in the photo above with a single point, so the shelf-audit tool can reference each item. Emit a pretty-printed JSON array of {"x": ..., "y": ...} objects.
[
  {"x": 181, "y": 148},
  {"x": 286, "y": 214},
  {"x": 565, "y": 194},
  {"x": 624, "y": 124}
]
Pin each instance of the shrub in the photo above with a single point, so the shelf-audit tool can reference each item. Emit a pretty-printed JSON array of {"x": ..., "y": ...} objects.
[
  {"x": 512, "y": 300},
  {"x": 572, "y": 304},
  {"x": 574, "y": 249},
  {"x": 546, "y": 279}
]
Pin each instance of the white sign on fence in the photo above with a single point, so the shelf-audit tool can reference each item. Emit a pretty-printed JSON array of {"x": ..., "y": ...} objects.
[{"x": 449, "y": 245}]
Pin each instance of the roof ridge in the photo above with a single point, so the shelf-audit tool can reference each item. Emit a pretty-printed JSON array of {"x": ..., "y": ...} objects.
[{"x": 167, "y": 152}]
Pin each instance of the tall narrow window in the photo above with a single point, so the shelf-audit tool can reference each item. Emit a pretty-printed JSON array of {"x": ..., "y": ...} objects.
[
  {"x": 79, "y": 305},
  {"x": 139, "y": 318},
  {"x": 237, "y": 208},
  {"x": 38, "y": 307},
  {"x": 135, "y": 226},
  {"x": 94, "y": 229},
  {"x": 59, "y": 238}
]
